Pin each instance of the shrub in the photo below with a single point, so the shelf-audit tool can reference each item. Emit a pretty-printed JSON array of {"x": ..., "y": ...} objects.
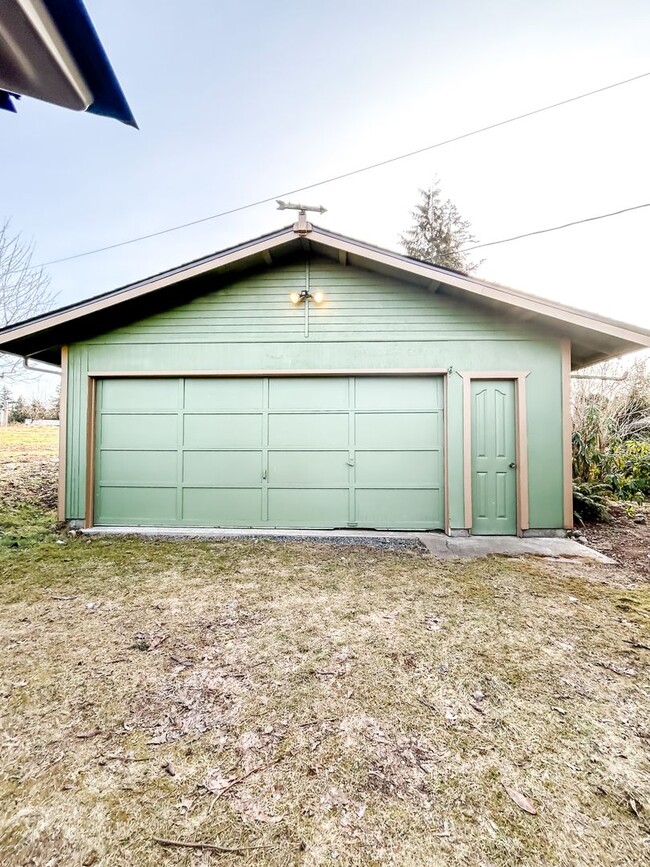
[
  {"x": 628, "y": 467},
  {"x": 590, "y": 501}
]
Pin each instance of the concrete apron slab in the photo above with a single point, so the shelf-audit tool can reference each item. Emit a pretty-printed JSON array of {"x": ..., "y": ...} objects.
[{"x": 439, "y": 545}]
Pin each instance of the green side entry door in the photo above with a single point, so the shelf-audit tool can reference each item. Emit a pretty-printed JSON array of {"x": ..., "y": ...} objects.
[{"x": 494, "y": 470}]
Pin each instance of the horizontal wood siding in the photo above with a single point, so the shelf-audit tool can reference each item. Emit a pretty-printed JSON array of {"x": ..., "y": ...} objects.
[
  {"x": 366, "y": 321},
  {"x": 358, "y": 305}
]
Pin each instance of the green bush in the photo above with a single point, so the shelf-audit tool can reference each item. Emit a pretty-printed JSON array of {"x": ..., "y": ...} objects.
[
  {"x": 628, "y": 469},
  {"x": 590, "y": 501}
]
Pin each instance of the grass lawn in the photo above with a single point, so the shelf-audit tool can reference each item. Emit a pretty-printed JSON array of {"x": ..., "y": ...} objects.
[
  {"x": 332, "y": 704},
  {"x": 141, "y": 678}
]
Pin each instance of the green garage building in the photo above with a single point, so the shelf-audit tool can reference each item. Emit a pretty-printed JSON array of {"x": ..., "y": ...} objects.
[{"x": 307, "y": 380}]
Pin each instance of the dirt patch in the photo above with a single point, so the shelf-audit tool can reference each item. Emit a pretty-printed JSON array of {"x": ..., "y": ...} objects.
[
  {"x": 33, "y": 482},
  {"x": 626, "y": 538}
]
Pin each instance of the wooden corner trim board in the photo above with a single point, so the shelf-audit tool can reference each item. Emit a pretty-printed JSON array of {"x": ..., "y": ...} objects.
[
  {"x": 567, "y": 430},
  {"x": 521, "y": 438},
  {"x": 63, "y": 434},
  {"x": 90, "y": 453},
  {"x": 445, "y": 446}
]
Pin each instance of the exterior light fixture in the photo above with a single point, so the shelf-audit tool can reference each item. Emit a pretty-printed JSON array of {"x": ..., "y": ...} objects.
[{"x": 305, "y": 295}]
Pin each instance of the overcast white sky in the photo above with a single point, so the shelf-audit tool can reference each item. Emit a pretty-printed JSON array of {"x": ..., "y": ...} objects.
[{"x": 241, "y": 100}]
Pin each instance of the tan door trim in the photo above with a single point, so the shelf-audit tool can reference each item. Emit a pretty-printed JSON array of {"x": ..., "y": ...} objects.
[
  {"x": 90, "y": 453},
  {"x": 94, "y": 377},
  {"x": 63, "y": 434},
  {"x": 521, "y": 439},
  {"x": 567, "y": 430}
]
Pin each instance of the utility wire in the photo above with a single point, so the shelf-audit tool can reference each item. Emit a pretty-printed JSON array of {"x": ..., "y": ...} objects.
[
  {"x": 344, "y": 175},
  {"x": 556, "y": 228}
]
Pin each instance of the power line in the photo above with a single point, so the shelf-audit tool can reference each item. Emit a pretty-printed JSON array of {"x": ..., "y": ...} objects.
[
  {"x": 344, "y": 175},
  {"x": 556, "y": 228}
]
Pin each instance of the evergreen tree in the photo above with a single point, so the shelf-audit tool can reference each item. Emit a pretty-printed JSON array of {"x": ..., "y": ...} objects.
[
  {"x": 439, "y": 233},
  {"x": 36, "y": 410},
  {"x": 19, "y": 412}
]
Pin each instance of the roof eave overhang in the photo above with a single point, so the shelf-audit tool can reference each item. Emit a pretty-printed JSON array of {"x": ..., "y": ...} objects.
[{"x": 593, "y": 337}]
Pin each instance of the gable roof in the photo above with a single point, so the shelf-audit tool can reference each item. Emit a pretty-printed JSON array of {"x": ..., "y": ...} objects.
[{"x": 593, "y": 337}]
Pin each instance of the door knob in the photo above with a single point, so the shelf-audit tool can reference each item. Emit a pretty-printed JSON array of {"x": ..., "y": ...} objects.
[{"x": 512, "y": 465}]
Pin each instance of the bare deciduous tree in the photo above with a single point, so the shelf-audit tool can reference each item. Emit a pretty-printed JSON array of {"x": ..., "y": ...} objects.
[{"x": 24, "y": 290}]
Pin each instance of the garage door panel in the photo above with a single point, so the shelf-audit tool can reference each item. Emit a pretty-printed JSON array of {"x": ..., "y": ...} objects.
[
  {"x": 412, "y": 430},
  {"x": 308, "y": 393},
  {"x": 138, "y": 506},
  {"x": 407, "y": 392},
  {"x": 139, "y": 394},
  {"x": 219, "y": 394},
  {"x": 222, "y": 431},
  {"x": 229, "y": 468},
  {"x": 222, "y": 507},
  {"x": 308, "y": 469},
  {"x": 308, "y": 508},
  {"x": 399, "y": 508},
  {"x": 278, "y": 452},
  {"x": 139, "y": 431},
  {"x": 399, "y": 469},
  {"x": 138, "y": 468},
  {"x": 315, "y": 430}
]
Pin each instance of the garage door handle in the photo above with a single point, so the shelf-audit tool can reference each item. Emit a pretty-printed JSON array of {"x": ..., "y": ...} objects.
[
  {"x": 350, "y": 463},
  {"x": 512, "y": 465},
  {"x": 264, "y": 474}
]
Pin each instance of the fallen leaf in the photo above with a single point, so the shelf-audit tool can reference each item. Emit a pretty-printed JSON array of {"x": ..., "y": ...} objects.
[
  {"x": 169, "y": 768},
  {"x": 520, "y": 800},
  {"x": 215, "y": 782}
]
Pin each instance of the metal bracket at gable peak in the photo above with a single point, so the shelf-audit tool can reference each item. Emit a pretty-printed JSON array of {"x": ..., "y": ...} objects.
[{"x": 303, "y": 226}]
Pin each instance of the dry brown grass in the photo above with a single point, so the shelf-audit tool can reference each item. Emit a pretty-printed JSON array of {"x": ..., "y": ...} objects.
[
  {"x": 20, "y": 442},
  {"x": 350, "y": 678}
]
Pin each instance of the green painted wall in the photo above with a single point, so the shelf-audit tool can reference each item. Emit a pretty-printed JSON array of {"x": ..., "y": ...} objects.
[{"x": 367, "y": 321}]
